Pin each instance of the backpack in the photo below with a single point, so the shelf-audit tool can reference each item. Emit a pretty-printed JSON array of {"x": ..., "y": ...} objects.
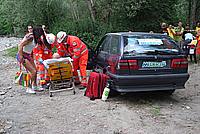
[{"x": 96, "y": 84}]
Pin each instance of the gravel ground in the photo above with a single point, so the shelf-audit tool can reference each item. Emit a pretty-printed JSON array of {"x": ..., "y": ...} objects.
[
  {"x": 147, "y": 113},
  {"x": 8, "y": 42}
]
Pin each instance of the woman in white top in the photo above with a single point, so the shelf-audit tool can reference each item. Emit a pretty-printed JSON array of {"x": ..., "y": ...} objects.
[{"x": 25, "y": 57}]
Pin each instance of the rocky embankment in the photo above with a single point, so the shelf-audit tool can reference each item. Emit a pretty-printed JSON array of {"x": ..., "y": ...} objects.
[{"x": 8, "y": 42}]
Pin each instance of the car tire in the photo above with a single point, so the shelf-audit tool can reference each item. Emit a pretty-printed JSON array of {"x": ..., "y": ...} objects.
[{"x": 169, "y": 92}]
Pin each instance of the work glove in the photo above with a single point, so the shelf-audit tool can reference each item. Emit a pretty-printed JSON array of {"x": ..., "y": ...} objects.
[{"x": 40, "y": 60}]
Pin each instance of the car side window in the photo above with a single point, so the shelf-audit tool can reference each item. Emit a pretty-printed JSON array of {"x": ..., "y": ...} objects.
[
  {"x": 114, "y": 45},
  {"x": 99, "y": 47},
  {"x": 105, "y": 44}
]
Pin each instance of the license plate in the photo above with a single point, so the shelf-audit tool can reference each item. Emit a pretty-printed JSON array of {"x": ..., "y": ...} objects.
[
  {"x": 191, "y": 51},
  {"x": 150, "y": 64}
]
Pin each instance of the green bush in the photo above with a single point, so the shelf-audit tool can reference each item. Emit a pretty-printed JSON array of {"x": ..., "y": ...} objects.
[
  {"x": 84, "y": 29},
  {"x": 74, "y": 16},
  {"x": 5, "y": 27},
  {"x": 11, "y": 52}
]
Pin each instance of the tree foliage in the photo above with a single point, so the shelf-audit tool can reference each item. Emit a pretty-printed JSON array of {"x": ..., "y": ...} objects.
[{"x": 90, "y": 19}]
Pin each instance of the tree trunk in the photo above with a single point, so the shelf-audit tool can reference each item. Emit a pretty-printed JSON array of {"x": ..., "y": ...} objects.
[
  {"x": 198, "y": 11},
  {"x": 73, "y": 11},
  {"x": 92, "y": 9},
  {"x": 189, "y": 13},
  {"x": 193, "y": 12}
]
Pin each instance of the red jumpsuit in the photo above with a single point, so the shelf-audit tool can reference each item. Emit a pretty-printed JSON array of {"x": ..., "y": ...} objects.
[
  {"x": 64, "y": 50},
  {"x": 79, "y": 53},
  {"x": 198, "y": 45},
  {"x": 41, "y": 53}
]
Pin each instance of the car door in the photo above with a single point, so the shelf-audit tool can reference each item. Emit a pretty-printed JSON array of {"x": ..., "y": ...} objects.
[
  {"x": 103, "y": 51},
  {"x": 91, "y": 57},
  {"x": 114, "y": 53}
]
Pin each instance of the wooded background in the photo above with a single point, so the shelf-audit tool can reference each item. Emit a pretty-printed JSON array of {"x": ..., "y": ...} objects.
[{"x": 90, "y": 19}]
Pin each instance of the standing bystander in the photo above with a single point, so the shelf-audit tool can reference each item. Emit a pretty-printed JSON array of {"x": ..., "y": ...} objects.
[
  {"x": 178, "y": 33},
  {"x": 25, "y": 57}
]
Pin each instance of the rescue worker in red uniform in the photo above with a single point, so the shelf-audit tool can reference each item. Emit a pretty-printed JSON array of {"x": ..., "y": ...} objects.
[
  {"x": 73, "y": 46},
  {"x": 198, "y": 41},
  {"x": 41, "y": 52}
]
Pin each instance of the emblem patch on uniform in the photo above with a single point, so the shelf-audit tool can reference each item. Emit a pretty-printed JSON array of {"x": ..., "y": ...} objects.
[
  {"x": 74, "y": 43},
  {"x": 45, "y": 52}
]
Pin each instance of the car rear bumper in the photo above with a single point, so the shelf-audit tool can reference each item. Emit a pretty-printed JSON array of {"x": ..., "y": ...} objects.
[{"x": 138, "y": 83}]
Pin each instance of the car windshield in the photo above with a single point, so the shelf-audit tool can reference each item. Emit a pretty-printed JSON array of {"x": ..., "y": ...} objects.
[{"x": 149, "y": 44}]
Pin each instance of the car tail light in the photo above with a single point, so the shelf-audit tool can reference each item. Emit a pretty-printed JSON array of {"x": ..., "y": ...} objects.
[
  {"x": 126, "y": 64},
  {"x": 133, "y": 64},
  {"x": 179, "y": 63},
  {"x": 192, "y": 46},
  {"x": 123, "y": 64}
]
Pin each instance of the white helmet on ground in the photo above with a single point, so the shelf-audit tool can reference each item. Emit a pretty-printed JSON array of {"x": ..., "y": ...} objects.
[
  {"x": 60, "y": 36},
  {"x": 51, "y": 38}
]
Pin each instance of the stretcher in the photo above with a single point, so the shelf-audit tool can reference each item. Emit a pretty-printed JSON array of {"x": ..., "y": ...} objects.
[{"x": 60, "y": 72}]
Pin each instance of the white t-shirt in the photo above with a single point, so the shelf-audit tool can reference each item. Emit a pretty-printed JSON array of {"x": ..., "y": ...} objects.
[
  {"x": 29, "y": 47},
  {"x": 188, "y": 36}
]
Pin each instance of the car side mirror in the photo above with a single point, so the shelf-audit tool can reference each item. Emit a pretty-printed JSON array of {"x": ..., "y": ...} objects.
[{"x": 107, "y": 68}]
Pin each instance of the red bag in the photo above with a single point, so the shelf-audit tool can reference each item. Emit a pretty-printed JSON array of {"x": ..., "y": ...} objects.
[{"x": 96, "y": 84}]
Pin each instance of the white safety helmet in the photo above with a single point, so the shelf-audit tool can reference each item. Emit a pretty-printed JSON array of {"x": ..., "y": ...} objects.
[
  {"x": 60, "y": 36},
  {"x": 51, "y": 38}
]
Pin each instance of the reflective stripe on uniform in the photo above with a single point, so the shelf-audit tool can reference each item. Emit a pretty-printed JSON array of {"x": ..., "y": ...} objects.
[
  {"x": 41, "y": 72},
  {"x": 84, "y": 50},
  {"x": 76, "y": 57},
  {"x": 77, "y": 49}
]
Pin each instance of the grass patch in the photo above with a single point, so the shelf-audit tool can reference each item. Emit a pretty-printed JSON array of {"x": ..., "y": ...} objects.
[
  {"x": 155, "y": 110},
  {"x": 145, "y": 102},
  {"x": 11, "y": 52}
]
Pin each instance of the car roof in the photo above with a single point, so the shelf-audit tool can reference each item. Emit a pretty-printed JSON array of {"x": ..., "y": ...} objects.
[{"x": 135, "y": 33}]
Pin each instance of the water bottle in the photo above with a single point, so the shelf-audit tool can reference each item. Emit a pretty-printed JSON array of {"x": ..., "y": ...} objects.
[{"x": 105, "y": 93}]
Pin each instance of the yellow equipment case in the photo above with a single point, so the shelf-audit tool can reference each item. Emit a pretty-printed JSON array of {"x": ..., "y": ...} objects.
[{"x": 61, "y": 74}]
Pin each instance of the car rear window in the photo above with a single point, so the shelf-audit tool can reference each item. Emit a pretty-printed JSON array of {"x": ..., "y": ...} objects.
[{"x": 139, "y": 44}]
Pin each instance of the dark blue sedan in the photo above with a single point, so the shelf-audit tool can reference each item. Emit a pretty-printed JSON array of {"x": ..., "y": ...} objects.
[{"x": 142, "y": 62}]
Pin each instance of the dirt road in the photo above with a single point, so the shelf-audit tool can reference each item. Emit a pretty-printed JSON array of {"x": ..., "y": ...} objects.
[{"x": 66, "y": 113}]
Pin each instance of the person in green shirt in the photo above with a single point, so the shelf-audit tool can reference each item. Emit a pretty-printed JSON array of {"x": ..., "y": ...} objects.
[
  {"x": 178, "y": 33},
  {"x": 197, "y": 26}
]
